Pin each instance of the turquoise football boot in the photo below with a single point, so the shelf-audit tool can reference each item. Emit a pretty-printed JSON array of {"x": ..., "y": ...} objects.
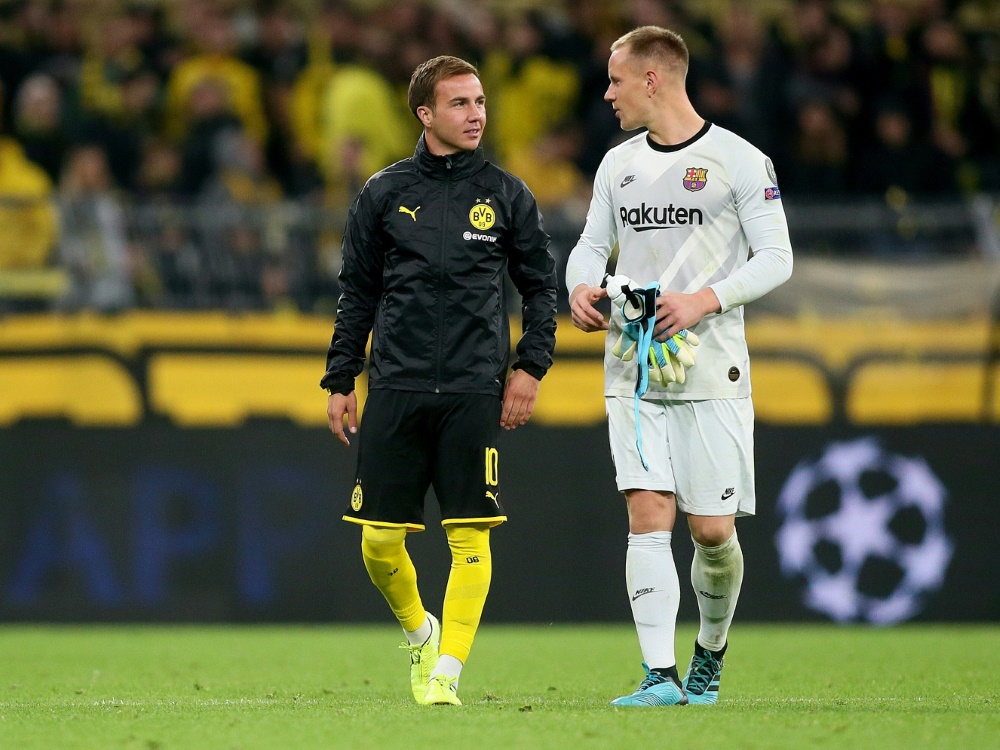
[
  {"x": 704, "y": 673},
  {"x": 654, "y": 690}
]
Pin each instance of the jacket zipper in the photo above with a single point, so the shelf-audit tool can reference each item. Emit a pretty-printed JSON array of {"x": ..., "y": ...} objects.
[{"x": 441, "y": 279}]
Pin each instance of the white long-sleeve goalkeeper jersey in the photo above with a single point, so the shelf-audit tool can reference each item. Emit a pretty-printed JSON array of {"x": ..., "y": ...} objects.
[{"x": 704, "y": 213}]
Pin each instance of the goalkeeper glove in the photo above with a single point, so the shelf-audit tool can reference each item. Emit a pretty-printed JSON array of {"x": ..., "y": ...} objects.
[
  {"x": 668, "y": 359},
  {"x": 624, "y": 348}
]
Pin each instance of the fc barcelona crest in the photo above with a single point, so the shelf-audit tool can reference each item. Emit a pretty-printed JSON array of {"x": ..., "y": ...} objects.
[{"x": 695, "y": 178}]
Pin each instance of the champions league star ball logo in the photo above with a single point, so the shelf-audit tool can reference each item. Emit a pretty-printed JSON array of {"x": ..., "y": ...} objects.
[{"x": 865, "y": 529}]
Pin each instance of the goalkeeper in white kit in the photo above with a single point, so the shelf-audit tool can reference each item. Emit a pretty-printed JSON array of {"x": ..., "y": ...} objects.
[{"x": 696, "y": 213}]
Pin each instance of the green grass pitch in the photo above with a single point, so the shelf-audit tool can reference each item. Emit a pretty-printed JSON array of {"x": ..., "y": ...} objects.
[{"x": 240, "y": 688}]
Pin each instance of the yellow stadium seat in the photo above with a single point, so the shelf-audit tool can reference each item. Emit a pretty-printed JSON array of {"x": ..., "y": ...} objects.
[
  {"x": 571, "y": 394},
  {"x": 788, "y": 391},
  {"x": 226, "y": 389},
  {"x": 86, "y": 389},
  {"x": 259, "y": 330},
  {"x": 913, "y": 392}
]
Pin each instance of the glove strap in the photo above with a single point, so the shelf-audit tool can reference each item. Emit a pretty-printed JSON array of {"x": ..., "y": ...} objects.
[{"x": 645, "y": 339}]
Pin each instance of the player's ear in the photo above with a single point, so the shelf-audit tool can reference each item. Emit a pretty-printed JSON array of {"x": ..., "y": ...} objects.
[
  {"x": 652, "y": 82},
  {"x": 425, "y": 115}
]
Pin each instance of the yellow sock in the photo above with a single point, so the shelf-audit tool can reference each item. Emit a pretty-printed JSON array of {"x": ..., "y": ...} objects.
[
  {"x": 392, "y": 572},
  {"x": 468, "y": 585}
]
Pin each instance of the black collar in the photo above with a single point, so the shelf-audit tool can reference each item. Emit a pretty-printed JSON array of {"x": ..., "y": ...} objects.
[
  {"x": 461, "y": 164},
  {"x": 678, "y": 146}
]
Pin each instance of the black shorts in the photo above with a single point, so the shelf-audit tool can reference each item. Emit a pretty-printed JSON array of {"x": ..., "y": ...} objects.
[{"x": 410, "y": 441}]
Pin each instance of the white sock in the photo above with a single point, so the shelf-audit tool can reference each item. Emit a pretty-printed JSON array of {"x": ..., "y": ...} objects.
[
  {"x": 654, "y": 592},
  {"x": 717, "y": 575},
  {"x": 448, "y": 665},
  {"x": 421, "y": 634}
]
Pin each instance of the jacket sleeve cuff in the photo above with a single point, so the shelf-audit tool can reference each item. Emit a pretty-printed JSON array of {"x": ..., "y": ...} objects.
[
  {"x": 535, "y": 371},
  {"x": 337, "y": 384}
]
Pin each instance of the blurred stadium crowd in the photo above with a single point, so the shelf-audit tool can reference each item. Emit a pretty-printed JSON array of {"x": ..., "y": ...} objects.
[{"x": 201, "y": 154}]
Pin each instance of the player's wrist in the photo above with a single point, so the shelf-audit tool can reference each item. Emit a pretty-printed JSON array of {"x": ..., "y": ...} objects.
[
  {"x": 530, "y": 368},
  {"x": 709, "y": 301},
  {"x": 577, "y": 290},
  {"x": 343, "y": 386}
]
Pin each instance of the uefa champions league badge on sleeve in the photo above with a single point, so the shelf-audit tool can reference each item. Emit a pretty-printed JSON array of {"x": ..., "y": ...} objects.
[
  {"x": 771, "y": 193},
  {"x": 769, "y": 168}
]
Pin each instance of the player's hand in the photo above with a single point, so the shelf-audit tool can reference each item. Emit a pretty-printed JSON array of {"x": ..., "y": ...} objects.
[
  {"x": 519, "y": 396},
  {"x": 582, "y": 311},
  {"x": 337, "y": 406},
  {"x": 675, "y": 311}
]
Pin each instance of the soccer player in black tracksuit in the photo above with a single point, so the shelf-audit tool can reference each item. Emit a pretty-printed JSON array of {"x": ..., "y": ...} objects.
[{"x": 425, "y": 248}]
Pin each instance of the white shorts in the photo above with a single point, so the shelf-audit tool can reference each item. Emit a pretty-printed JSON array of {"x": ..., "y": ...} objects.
[{"x": 702, "y": 451}]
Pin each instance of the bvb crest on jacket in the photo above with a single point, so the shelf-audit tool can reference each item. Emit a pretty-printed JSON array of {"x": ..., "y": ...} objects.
[{"x": 482, "y": 215}]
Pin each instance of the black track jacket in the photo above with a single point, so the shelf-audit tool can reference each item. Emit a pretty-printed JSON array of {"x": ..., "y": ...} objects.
[{"x": 424, "y": 252}]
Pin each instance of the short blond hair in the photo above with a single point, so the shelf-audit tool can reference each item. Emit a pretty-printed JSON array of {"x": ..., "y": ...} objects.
[{"x": 656, "y": 44}]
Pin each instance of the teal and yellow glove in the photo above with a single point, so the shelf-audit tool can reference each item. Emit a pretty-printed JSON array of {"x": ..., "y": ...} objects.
[
  {"x": 630, "y": 299},
  {"x": 668, "y": 359},
  {"x": 624, "y": 348}
]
